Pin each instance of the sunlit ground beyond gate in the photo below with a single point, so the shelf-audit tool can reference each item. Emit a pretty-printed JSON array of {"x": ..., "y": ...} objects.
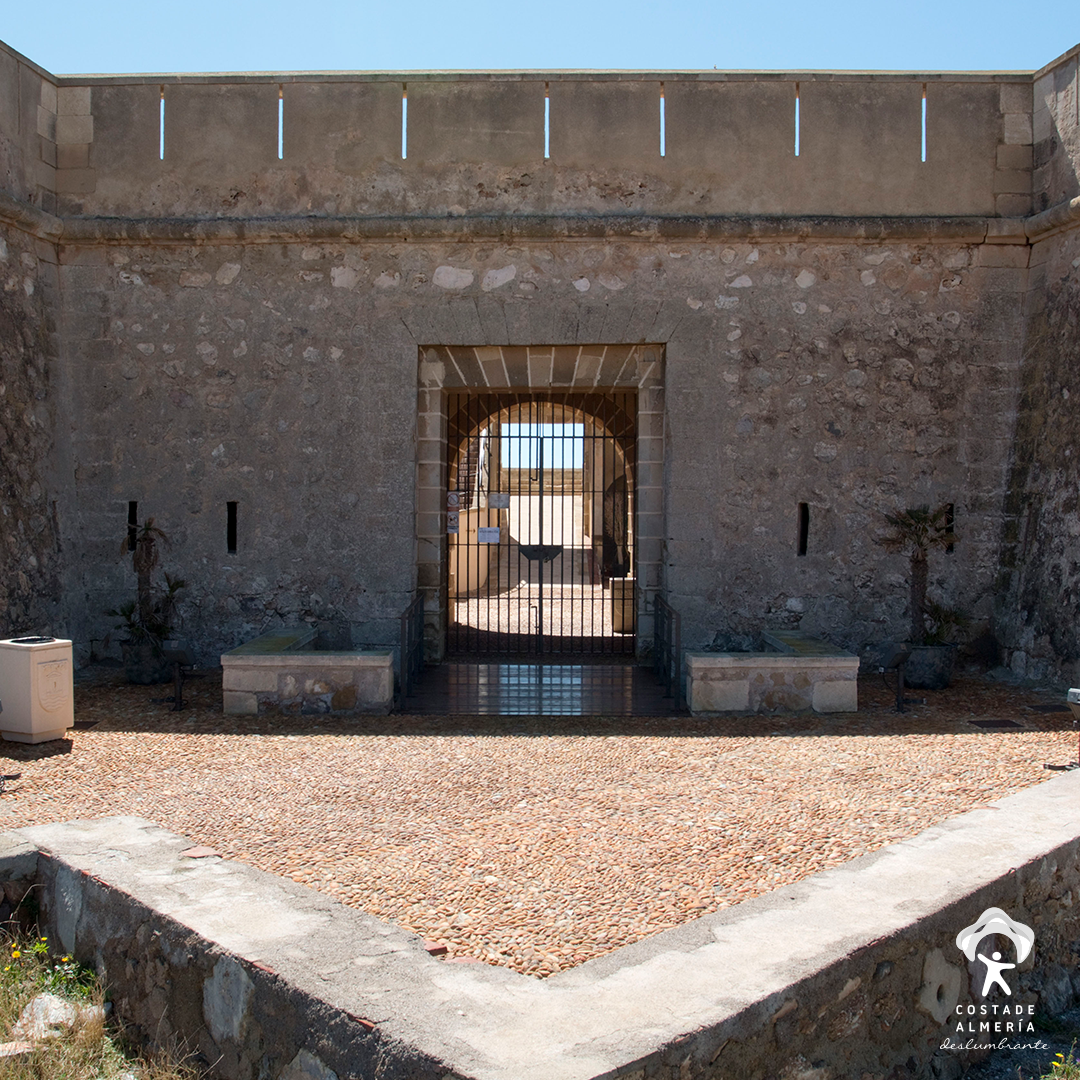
[{"x": 540, "y": 509}]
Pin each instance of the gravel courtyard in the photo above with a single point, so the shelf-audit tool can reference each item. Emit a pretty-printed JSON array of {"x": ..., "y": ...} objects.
[{"x": 536, "y": 844}]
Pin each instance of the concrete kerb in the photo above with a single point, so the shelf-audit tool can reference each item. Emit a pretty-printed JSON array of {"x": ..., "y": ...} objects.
[{"x": 852, "y": 971}]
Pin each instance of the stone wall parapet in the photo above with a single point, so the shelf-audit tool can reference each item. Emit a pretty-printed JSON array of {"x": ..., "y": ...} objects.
[{"x": 774, "y": 143}]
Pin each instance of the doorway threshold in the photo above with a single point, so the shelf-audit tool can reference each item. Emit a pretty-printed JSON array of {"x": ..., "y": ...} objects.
[{"x": 515, "y": 687}]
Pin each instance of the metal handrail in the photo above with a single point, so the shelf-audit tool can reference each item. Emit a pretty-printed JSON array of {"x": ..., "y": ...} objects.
[
  {"x": 667, "y": 648},
  {"x": 412, "y": 646}
]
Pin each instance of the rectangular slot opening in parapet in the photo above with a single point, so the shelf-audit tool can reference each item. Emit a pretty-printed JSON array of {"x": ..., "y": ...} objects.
[
  {"x": 280, "y": 122},
  {"x": 230, "y": 527},
  {"x": 924, "y": 122},
  {"x": 547, "y": 121},
  {"x": 404, "y": 121},
  {"x": 796, "y": 119},
  {"x": 804, "y": 527},
  {"x": 161, "y": 126},
  {"x": 133, "y": 524},
  {"x": 950, "y": 524},
  {"x": 663, "y": 132}
]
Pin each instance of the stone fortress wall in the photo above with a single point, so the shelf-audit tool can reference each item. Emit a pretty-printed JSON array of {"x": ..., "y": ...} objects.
[{"x": 849, "y": 327}]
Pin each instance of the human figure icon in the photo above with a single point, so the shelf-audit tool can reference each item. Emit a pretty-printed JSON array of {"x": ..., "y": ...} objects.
[{"x": 993, "y": 973}]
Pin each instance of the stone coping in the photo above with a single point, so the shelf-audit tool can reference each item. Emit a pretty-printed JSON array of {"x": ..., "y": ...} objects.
[
  {"x": 274, "y": 642},
  {"x": 643, "y": 227},
  {"x": 705, "y": 999},
  {"x": 801, "y": 644},
  {"x": 309, "y": 659},
  {"x": 277, "y": 668},
  {"x": 704, "y": 661}
]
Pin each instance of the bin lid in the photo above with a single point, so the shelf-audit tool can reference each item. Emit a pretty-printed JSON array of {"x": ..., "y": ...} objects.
[{"x": 31, "y": 640}]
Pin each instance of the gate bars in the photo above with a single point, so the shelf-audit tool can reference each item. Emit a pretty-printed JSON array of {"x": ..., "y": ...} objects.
[
  {"x": 540, "y": 511},
  {"x": 667, "y": 648}
]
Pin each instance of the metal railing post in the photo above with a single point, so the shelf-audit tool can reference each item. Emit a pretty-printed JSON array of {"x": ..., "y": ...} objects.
[
  {"x": 412, "y": 646},
  {"x": 667, "y": 648}
]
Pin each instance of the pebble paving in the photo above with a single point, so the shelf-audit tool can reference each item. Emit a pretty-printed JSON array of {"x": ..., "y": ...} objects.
[{"x": 536, "y": 843}]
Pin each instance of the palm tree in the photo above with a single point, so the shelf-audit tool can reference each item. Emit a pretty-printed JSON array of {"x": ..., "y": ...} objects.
[
  {"x": 144, "y": 557},
  {"x": 917, "y": 531}
]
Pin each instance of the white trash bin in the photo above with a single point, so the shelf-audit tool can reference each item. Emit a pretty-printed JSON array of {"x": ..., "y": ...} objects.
[{"x": 37, "y": 700}]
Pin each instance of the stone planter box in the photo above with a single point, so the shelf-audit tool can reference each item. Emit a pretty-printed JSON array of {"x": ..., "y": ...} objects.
[
  {"x": 929, "y": 667},
  {"x": 798, "y": 674},
  {"x": 144, "y": 665},
  {"x": 278, "y": 669}
]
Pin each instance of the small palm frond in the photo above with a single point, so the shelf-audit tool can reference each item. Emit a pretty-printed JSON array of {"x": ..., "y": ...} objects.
[{"x": 918, "y": 529}]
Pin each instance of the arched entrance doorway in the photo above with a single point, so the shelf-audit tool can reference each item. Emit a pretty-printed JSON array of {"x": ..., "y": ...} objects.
[
  {"x": 486, "y": 414},
  {"x": 541, "y": 534}
]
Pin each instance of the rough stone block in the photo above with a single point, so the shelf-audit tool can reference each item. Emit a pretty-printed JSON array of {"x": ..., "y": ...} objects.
[
  {"x": 44, "y": 174},
  {"x": 836, "y": 695},
  {"x": 1009, "y": 255},
  {"x": 73, "y": 156},
  {"x": 237, "y": 703},
  {"x": 709, "y": 695},
  {"x": 73, "y": 100},
  {"x": 1006, "y": 230},
  {"x": 1012, "y": 181},
  {"x": 1042, "y": 124},
  {"x": 254, "y": 679},
  {"x": 374, "y": 688},
  {"x": 74, "y": 129},
  {"x": 47, "y": 95},
  {"x": 1016, "y": 97},
  {"x": 1013, "y": 157},
  {"x": 1018, "y": 129},
  {"x": 46, "y": 124}
]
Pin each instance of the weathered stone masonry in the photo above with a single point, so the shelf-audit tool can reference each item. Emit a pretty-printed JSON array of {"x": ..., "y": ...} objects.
[{"x": 852, "y": 328}]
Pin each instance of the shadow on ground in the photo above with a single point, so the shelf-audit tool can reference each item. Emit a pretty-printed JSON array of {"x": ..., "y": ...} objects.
[{"x": 104, "y": 700}]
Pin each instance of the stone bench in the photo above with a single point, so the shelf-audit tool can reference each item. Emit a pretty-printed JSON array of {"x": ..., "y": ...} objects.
[
  {"x": 800, "y": 672},
  {"x": 279, "y": 668}
]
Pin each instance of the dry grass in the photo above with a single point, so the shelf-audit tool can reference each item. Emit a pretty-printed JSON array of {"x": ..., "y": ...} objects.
[{"x": 90, "y": 1050}]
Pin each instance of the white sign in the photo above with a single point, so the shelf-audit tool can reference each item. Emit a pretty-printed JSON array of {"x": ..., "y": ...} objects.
[
  {"x": 499, "y": 500},
  {"x": 487, "y": 535},
  {"x": 453, "y": 522},
  {"x": 452, "y": 500}
]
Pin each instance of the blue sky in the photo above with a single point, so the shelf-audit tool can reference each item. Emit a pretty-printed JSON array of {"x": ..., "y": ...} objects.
[{"x": 123, "y": 36}]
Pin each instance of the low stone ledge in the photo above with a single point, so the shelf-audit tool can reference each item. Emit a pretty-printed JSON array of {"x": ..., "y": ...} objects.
[
  {"x": 275, "y": 669},
  {"x": 805, "y": 673},
  {"x": 852, "y": 972}
]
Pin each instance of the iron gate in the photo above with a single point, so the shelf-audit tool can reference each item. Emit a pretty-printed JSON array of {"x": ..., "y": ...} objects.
[{"x": 540, "y": 517}]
